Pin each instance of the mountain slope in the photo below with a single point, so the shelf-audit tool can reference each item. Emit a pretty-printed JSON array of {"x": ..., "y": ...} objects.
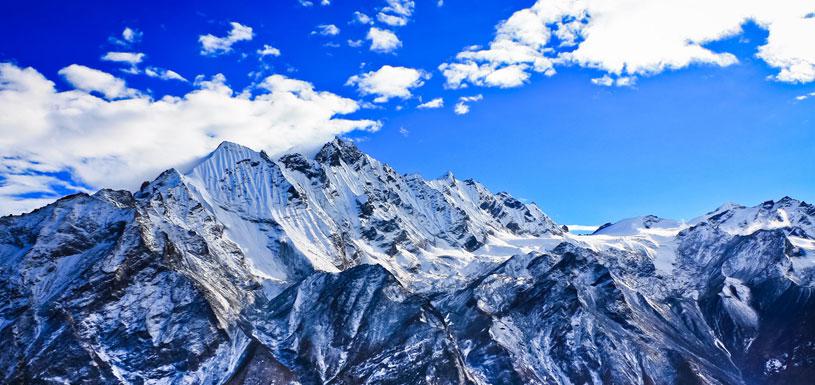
[{"x": 336, "y": 269}]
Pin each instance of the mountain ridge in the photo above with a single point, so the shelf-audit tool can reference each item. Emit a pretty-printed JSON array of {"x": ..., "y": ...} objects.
[{"x": 337, "y": 269}]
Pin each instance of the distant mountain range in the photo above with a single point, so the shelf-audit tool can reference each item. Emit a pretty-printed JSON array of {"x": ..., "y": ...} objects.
[{"x": 336, "y": 269}]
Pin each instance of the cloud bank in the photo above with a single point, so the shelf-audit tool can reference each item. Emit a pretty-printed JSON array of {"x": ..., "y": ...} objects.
[
  {"x": 626, "y": 39},
  {"x": 102, "y": 134}
]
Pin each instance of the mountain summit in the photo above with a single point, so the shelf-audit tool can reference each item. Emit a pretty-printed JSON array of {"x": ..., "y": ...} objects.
[{"x": 336, "y": 269}]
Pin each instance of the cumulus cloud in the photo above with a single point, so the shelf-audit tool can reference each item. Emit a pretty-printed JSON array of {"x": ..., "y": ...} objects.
[
  {"x": 435, "y": 103},
  {"x": 388, "y": 82},
  {"x": 396, "y": 13},
  {"x": 213, "y": 45},
  {"x": 268, "y": 50},
  {"x": 463, "y": 106},
  {"x": 383, "y": 40},
  {"x": 92, "y": 80},
  {"x": 326, "y": 30},
  {"x": 362, "y": 18},
  {"x": 129, "y": 37},
  {"x": 635, "y": 38},
  {"x": 119, "y": 143}
]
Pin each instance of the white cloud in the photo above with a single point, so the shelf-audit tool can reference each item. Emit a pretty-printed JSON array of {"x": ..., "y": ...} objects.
[
  {"x": 388, "y": 82},
  {"x": 131, "y": 35},
  {"x": 625, "y": 81},
  {"x": 326, "y": 30},
  {"x": 355, "y": 43},
  {"x": 396, "y": 13},
  {"x": 635, "y": 38},
  {"x": 383, "y": 40},
  {"x": 214, "y": 45},
  {"x": 362, "y": 18},
  {"x": 163, "y": 74},
  {"x": 93, "y": 80},
  {"x": 789, "y": 46},
  {"x": 391, "y": 20},
  {"x": 805, "y": 96},
  {"x": 131, "y": 58},
  {"x": 119, "y": 143},
  {"x": 404, "y": 132},
  {"x": 435, "y": 103},
  {"x": 605, "y": 81},
  {"x": 268, "y": 50},
  {"x": 462, "y": 107},
  {"x": 619, "y": 81}
]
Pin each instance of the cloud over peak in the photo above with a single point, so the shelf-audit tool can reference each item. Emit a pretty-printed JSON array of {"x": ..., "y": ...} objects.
[{"x": 127, "y": 138}]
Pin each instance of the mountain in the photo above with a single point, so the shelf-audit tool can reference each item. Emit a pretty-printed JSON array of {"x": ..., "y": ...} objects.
[{"x": 336, "y": 269}]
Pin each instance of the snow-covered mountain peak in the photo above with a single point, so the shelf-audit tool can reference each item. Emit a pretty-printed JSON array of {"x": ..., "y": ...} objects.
[
  {"x": 342, "y": 208},
  {"x": 794, "y": 216},
  {"x": 647, "y": 224},
  {"x": 339, "y": 150}
]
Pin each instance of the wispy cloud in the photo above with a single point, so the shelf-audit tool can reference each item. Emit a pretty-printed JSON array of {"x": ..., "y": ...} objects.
[
  {"x": 326, "y": 30},
  {"x": 435, "y": 103},
  {"x": 396, "y": 13},
  {"x": 463, "y": 105},
  {"x": 212, "y": 45},
  {"x": 131, "y": 58},
  {"x": 93, "y": 80},
  {"x": 163, "y": 74}
]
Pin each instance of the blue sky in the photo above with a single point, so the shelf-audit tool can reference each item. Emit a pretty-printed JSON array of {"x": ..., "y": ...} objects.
[{"x": 675, "y": 139}]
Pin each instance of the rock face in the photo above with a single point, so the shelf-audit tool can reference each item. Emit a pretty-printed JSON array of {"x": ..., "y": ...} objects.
[{"x": 336, "y": 269}]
